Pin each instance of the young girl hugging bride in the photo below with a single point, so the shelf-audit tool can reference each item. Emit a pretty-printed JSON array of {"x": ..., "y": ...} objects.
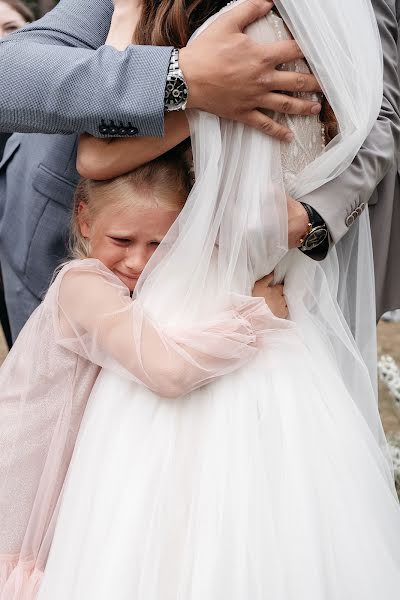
[{"x": 88, "y": 320}]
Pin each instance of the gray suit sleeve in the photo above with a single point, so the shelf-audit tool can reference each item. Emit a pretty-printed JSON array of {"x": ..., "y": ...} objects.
[
  {"x": 57, "y": 77},
  {"x": 340, "y": 198}
]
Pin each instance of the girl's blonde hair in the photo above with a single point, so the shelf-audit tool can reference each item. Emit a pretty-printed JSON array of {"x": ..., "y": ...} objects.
[{"x": 164, "y": 182}]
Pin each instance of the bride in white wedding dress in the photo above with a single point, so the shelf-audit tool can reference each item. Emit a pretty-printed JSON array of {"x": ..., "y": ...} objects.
[{"x": 271, "y": 482}]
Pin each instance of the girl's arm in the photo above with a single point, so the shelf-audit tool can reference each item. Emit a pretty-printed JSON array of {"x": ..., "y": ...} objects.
[
  {"x": 107, "y": 158},
  {"x": 113, "y": 331},
  {"x": 123, "y": 23}
]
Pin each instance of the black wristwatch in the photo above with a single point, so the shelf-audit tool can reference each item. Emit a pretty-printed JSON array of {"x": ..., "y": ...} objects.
[
  {"x": 176, "y": 90},
  {"x": 316, "y": 242}
]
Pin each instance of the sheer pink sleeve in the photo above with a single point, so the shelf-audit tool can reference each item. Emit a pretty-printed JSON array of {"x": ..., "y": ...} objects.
[{"x": 97, "y": 319}]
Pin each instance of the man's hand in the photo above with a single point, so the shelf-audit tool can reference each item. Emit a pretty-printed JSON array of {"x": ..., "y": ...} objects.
[
  {"x": 233, "y": 77},
  {"x": 297, "y": 222}
]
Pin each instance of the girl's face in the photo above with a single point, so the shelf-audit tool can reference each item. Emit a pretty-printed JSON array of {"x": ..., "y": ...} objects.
[
  {"x": 10, "y": 20},
  {"x": 125, "y": 239}
]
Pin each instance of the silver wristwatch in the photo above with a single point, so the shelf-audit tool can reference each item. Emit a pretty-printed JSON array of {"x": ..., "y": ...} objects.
[{"x": 176, "y": 90}]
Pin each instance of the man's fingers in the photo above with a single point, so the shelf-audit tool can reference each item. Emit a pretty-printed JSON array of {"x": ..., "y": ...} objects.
[
  {"x": 240, "y": 17},
  {"x": 259, "y": 121},
  {"x": 289, "y": 81},
  {"x": 277, "y": 53},
  {"x": 288, "y": 105}
]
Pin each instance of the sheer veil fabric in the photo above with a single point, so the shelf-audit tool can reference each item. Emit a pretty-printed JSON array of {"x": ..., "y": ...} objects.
[
  {"x": 234, "y": 225},
  {"x": 269, "y": 481}
]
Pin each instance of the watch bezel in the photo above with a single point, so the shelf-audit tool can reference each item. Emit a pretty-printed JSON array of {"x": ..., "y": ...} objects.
[
  {"x": 180, "y": 104},
  {"x": 308, "y": 245}
]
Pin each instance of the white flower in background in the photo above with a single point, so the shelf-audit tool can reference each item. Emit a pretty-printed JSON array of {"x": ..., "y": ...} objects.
[
  {"x": 392, "y": 315},
  {"x": 389, "y": 373}
]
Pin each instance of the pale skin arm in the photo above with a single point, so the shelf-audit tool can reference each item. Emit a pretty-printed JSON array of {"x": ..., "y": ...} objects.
[
  {"x": 119, "y": 336},
  {"x": 123, "y": 23},
  {"x": 108, "y": 158}
]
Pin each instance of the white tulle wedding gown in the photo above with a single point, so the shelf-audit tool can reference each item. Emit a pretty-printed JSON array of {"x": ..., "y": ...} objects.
[{"x": 270, "y": 483}]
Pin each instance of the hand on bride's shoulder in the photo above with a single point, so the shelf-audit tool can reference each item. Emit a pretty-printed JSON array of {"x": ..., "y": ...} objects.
[{"x": 273, "y": 296}]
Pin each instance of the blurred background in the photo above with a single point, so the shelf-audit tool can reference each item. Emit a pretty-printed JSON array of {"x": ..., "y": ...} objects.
[{"x": 40, "y": 7}]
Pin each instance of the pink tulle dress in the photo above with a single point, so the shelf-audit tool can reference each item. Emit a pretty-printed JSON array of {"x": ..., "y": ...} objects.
[{"x": 88, "y": 320}]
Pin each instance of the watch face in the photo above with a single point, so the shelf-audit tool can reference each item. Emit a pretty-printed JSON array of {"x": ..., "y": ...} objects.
[
  {"x": 315, "y": 238},
  {"x": 176, "y": 92}
]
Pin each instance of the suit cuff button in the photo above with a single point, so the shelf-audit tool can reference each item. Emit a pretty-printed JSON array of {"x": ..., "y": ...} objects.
[
  {"x": 132, "y": 130},
  {"x": 103, "y": 128}
]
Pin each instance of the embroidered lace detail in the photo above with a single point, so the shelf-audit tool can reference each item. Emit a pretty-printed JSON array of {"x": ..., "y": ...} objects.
[{"x": 309, "y": 133}]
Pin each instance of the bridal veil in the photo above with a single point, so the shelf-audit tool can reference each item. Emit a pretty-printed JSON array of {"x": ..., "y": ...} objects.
[{"x": 233, "y": 228}]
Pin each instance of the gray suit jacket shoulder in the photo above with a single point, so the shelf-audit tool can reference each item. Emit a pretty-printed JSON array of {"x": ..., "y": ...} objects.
[{"x": 57, "y": 77}]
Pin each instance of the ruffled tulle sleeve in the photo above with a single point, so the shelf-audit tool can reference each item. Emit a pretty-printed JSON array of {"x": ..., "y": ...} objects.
[{"x": 96, "y": 318}]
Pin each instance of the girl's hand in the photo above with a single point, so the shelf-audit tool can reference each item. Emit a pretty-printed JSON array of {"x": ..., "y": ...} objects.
[{"x": 273, "y": 296}]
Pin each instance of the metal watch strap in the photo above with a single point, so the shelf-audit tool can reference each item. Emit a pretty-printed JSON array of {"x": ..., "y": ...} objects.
[
  {"x": 174, "y": 61},
  {"x": 176, "y": 92}
]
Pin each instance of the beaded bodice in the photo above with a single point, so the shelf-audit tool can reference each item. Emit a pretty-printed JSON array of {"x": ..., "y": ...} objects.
[{"x": 309, "y": 133}]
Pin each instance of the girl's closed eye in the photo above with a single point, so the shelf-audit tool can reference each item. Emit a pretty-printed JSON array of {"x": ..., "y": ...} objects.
[{"x": 120, "y": 240}]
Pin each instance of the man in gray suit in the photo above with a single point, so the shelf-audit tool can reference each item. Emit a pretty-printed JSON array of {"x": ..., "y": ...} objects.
[
  {"x": 57, "y": 77},
  {"x": 385, "y": 202},
  {"x": 373, "y": 178},
  {"x": 42, "y": 217}
]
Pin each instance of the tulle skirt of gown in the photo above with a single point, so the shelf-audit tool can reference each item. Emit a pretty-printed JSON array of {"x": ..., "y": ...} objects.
[{"x": 264, "y": 485}]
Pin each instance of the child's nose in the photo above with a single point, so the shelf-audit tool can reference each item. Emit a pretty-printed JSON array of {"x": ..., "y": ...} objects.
[{"x": 136, "y": 260}]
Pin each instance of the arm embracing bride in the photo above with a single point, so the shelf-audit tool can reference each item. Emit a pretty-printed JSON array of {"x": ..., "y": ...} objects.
[
  {"x": 107, "y": 158},
  {"x": 113, "y": 331}
]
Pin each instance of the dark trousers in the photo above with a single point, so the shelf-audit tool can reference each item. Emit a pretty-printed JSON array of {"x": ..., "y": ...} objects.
[
  {"x": 5, "y": 323},
  {"x": 20, "y": 301}
]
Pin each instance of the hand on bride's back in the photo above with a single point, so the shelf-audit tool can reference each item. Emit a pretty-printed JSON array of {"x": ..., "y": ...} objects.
[
  {"x": 232, "y": 76},
  {"x": 273, "y": 296}
]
